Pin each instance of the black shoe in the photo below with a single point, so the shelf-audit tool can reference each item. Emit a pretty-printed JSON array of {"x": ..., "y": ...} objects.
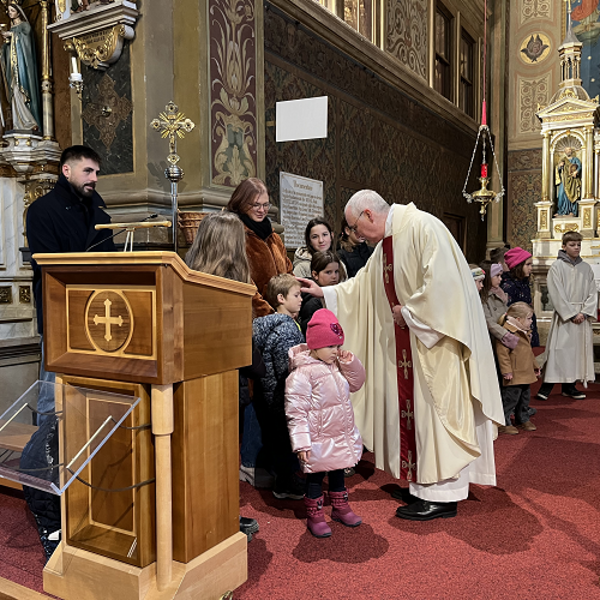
[
  {"x": 404, "y": 495},
  {"x": 349, "y": 472},
  {"x": 541, "y": 396},
  {"x": 288, "y": 487},
  {"x": 248, "y": 525},
  {"x": 531, "y": 411},
  {"x": 573, "y": 392},
  {"x": 423, "y": 510}
]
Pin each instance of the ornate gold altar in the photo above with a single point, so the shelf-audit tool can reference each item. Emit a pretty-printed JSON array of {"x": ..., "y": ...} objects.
[{"x": 570, "y": 173}]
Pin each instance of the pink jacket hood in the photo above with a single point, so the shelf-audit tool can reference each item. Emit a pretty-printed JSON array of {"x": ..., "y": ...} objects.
[{"x": 319, "y": 412}]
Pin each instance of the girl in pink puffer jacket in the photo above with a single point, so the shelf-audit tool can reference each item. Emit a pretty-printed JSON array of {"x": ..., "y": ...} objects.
[{"x": 321, "y": 419}]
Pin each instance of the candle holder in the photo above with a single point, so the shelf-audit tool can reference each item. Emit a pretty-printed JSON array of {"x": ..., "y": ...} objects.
[{"x": 76, "y": 78}]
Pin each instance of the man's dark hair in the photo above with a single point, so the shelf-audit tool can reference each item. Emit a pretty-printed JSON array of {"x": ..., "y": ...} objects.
[{"x": 78, "y": 153}]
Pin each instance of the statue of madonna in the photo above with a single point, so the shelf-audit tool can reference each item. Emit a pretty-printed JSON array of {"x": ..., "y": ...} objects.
[{"x": 20, "y": 71}]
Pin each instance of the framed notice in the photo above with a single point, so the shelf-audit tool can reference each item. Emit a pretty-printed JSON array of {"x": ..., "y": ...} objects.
[{"x": 301, "y": 200}]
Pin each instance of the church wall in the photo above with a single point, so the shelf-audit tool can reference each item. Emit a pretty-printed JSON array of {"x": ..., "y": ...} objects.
[
  {"x": 408, "y": 147},
  {"x": 536, "y": 32}
]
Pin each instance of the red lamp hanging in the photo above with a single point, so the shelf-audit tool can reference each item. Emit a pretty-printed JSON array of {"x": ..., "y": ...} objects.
[{"x": 484, "y": 195}]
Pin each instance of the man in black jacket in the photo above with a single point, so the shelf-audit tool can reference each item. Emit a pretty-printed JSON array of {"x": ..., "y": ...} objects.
[{"x": 63, "y": 221}]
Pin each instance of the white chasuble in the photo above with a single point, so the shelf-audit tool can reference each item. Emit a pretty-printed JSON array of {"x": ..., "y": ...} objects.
[{"x": 456, "y": 396}]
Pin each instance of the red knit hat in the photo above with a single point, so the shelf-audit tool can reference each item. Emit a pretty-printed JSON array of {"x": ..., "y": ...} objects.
[
  {"x": 324, "y": 330},
  {"x": 516, "y": 256}
]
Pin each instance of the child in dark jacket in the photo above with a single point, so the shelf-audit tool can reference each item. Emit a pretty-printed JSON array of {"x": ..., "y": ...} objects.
[
  {"x": 519, "y": 369},
  {"x": 273, "y": 336},
  {"x": 325, "y": 270},
  {"x": 515, "y": 283}
]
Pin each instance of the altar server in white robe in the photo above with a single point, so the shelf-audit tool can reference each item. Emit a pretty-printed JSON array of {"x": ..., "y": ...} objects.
[
  {"x": 431, "y": 403},
  {"x": 570, "y": 347}
]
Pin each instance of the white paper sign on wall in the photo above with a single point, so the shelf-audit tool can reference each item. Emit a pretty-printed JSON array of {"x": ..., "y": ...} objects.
[
  {"x": 304, "y": 119},
  {"x": 301, "y": 199}
]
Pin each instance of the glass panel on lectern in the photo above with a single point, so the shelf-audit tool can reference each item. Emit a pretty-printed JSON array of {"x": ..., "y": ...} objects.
[{"x": 49, "y": 450}]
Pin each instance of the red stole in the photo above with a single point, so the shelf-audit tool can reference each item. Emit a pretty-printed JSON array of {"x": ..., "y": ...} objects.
[{"x": 404, "y": 373}]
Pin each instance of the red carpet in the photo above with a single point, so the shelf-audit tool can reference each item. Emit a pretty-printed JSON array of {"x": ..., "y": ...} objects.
[{"x": 535, "y": 536}]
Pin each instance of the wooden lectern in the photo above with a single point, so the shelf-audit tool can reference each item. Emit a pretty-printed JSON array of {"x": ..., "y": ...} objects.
[{"x": 156, "y": 513}]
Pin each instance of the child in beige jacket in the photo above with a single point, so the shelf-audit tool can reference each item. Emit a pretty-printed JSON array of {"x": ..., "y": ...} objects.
[{"x": 518, "y": 367}]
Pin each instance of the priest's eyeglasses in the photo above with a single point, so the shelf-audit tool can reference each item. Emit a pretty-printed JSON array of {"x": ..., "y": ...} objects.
[{"x": 352, "y": 228}]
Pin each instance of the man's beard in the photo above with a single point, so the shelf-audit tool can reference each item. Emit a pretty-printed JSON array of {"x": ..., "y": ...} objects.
[{"x": 83, "y": 191}]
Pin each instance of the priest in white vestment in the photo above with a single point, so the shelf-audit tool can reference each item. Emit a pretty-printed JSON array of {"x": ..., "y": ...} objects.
[{"x": 425, "y": 327}]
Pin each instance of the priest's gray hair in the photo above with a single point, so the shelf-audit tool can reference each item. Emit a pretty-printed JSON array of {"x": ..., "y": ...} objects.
[{"x": 367, "y": 199}]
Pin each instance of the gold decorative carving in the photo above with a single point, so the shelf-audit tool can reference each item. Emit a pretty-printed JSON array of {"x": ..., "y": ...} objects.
[
  {"x": 106, "y": 111},
  {"x": 406, "y": 35},
  {"x": 6, "y": 294},
  {"x": 562, "y": 228},
  {"x": 587, "y": 218},
  {"x": 35, "y": 189},
  {"x": 544, "y": 219},
  {"x": 98, "y": 49},
  {"x": 531, "y": 93},
  {"x": 24, "y": 294},
  {"x": 567, "y": 117},
  {"x": 109, "y": 320}
]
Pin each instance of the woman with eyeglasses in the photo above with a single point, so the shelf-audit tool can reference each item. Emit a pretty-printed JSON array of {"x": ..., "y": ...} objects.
[{"x": 266, "y": 253}]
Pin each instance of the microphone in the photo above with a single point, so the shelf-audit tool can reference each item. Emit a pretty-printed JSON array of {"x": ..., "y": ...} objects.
[{"x": 118, "y": 232}]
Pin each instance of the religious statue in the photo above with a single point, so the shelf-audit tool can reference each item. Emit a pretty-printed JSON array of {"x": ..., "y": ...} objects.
[
  {"x": 568, "y": 182},
  {"x": 20, "y": 72}
]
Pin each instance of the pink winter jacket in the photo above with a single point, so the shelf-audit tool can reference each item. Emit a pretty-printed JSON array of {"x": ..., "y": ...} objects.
[{"x": 319, "y": 412}]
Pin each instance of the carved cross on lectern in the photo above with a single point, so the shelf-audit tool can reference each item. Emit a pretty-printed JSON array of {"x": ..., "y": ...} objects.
[
  {"x": 107, "y": 320},
  {"x": 172, "y": 124}
]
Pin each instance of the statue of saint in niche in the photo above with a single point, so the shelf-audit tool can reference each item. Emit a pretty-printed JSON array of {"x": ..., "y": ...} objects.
[
  {"x": 20, "y": 72},
  {"x": 568, "y": 182}
]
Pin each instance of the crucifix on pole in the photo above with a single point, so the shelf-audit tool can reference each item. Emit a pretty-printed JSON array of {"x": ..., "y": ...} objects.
[{"x": 173, "y": 124}]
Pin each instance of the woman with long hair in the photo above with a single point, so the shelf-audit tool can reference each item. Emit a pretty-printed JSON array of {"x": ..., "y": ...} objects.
[
  {"x": 318, "y": 237},
  {"x": 219, "y": 248},
  {"x": 267, "y": 255},
  {"x": 353, "y": 251}
]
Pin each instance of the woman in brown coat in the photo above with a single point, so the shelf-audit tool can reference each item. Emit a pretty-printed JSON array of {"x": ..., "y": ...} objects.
[
  {"x": 266, "y": 253},
  {"x": 518, "y": 367}
]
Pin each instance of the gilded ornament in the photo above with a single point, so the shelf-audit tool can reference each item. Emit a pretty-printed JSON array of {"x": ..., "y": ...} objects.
[
  {"x": 564, "y": 227},
  {"x": 544, "y": 219},
  {"x": 99, "y": 49},
  {"x": 6, "y": 294},
  {"x": 587, "y": 218},
  {"x": 24, "y": 294}
]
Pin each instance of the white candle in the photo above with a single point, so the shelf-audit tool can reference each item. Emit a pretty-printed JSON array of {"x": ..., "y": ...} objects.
[{"x": 74, "y": 64}]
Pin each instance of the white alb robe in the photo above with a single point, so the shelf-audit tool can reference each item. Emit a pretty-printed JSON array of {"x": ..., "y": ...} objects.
[
  {"x": 456, "y": 394},
  {"x": 569, "y": 349}
]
